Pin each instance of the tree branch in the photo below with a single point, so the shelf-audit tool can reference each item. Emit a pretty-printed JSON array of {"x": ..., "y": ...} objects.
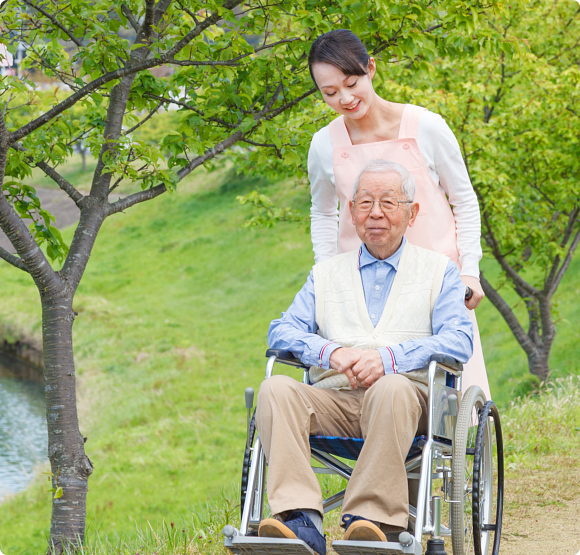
[
  {"x": 192, "y": 108},
  {"x": 148, "y": 22},
  {"x": 566, "y": 263},
  {"x": 195, "y": 63},
  {"x": 493, "y": 243},
  {"x": 22, "y": 240},
  {"x": 55, "y": 21},
  {"x": 136, "y": 198},
  {"x": 139, "y": 124},
  {"x": 290, "y": 104},
  {"x": 130, "y": 17},
  {"x": 511, "y": 319},
  {"x": 65, "y": 185},
  {"x": 14, "y": 260},
  {"x": 118, "y": 74},
  {"x": 266, "y": 114}
]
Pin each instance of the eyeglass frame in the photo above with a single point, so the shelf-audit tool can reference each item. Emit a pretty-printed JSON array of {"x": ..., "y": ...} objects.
[{"x": 399, "y": 202}]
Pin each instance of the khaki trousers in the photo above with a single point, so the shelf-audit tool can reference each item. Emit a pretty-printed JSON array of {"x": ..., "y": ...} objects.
[{"x": 387, "y": 415}]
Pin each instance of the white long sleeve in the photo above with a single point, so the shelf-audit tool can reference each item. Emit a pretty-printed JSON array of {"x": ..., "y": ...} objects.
[
  {"x": 324, "y": 210},
  {"x": 443, "y": 159}
]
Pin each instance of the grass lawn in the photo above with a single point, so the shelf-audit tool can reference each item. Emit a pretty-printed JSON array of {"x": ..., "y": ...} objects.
[{"x": 173, "y": 313}]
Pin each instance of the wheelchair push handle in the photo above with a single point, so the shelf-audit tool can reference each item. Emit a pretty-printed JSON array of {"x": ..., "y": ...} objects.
[
  {"x": 468, "y": 293},
  {"x": 249, "y": 395}
]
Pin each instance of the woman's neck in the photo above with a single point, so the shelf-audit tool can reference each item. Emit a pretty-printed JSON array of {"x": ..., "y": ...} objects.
[{"x": 380, "y": 123}]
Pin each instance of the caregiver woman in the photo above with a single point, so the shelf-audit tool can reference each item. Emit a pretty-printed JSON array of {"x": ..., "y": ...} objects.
[{"x": 369, "y": 128}]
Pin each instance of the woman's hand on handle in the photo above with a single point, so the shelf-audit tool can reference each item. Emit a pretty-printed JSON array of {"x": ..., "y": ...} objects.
[{"x": 476, "y": 290}]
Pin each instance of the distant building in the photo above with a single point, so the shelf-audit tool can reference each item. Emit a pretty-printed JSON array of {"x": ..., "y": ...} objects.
[{"x": 10, "y": 64}]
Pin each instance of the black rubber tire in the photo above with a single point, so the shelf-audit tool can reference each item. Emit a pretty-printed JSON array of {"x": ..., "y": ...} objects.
[
  {"x": 247, "y": 462},
  {"x": 478, "y": 498}
]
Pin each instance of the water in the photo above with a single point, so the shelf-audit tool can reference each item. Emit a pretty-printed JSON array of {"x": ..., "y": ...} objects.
[{"x": 23, "y": 435}]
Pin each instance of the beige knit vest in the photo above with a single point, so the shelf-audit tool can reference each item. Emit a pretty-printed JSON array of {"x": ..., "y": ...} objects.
[{"x": 341, "y": 312}]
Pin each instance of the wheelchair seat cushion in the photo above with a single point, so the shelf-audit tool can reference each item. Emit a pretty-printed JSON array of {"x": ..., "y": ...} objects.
[{"x": 350, "y": 447}]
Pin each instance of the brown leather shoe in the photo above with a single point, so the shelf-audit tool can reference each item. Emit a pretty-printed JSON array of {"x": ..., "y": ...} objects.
[
  {"x": 361, "y": 530},
  {"x": 274, "y": 528}
]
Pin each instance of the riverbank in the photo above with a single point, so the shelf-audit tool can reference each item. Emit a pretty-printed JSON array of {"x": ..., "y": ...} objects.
[{"x": 173, "y": 311}]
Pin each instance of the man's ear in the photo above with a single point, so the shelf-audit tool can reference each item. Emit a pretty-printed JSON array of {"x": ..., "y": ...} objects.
[
  {"x": 414, "y": 213},
  {"x": 351, "y": 208}
]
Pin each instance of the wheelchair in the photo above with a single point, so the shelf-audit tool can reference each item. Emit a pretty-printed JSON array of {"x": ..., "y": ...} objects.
[{"x": 460, "y": 459}]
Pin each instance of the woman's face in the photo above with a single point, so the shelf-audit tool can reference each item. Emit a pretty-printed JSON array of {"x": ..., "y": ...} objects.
[{"x": 349, "y": 95}]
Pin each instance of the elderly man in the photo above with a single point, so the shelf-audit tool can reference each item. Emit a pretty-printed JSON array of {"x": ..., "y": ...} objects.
[{"x": 364, "y": 320}]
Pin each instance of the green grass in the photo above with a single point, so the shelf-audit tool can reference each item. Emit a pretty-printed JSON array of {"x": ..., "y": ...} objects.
[{"x": 173, "y": 313}]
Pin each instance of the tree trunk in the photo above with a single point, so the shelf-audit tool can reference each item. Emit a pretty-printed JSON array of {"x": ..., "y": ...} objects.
[
  {"x": 538, "y": 341},
  {"x": 70, "y": 466},
  {"x": 539, "y": 364}
]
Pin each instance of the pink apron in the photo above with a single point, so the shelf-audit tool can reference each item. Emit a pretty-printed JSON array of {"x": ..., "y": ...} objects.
[{"x": 434, "y": 227}]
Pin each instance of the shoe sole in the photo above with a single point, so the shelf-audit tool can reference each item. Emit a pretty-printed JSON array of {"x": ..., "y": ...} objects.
[
  {"x": 364, "y": 531},
  {"x": 272, "y": 528}
]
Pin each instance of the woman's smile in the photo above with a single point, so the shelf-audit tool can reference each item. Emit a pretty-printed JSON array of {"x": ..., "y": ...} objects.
[{"x": 353, "y": 107}]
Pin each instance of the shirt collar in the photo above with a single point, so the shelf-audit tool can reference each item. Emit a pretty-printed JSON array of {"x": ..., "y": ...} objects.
[{"x": 365, "y": 258}]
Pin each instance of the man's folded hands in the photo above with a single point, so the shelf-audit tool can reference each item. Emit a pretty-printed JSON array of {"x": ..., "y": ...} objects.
[{"x": 361, "y": 366}]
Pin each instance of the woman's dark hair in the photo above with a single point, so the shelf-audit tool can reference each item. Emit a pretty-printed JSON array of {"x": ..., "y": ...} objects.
[{"x": 342, "y": 49}]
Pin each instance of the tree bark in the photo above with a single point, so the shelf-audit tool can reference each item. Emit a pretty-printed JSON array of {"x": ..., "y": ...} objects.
[
  {"x": 538, "y": 341},
  {"x": 539, "y": 364},
  {"x": 70, "y": 466}
]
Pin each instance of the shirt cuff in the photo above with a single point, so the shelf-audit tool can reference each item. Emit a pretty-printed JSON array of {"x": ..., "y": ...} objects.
[
  {"x": 389, "y": 360},
  {"x": 325, "y": 352},
  {"x": 401, "y": 365}
]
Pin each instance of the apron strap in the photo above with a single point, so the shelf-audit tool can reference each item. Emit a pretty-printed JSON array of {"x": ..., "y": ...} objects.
[
  {"x": 410, "y": 121},
  {"x": 339, "y": 133}
]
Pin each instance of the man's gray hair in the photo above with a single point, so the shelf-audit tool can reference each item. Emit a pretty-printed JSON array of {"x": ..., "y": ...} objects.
[{"x": 383, "y": 166}]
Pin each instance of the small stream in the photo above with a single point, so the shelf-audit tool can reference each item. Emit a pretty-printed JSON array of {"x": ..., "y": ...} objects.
[{"x": 23, "y": 435}]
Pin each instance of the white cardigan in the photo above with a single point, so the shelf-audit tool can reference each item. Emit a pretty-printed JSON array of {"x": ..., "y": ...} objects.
[
  {"x": 442, "y": 156},
  {"x": 341, "y": 311}
]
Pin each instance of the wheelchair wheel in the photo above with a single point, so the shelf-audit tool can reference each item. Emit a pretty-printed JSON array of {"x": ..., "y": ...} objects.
[
  {"x": 485, "y": 465},
  {"x": 462, "y": 471},
  {"x": 247, "y": 462}
]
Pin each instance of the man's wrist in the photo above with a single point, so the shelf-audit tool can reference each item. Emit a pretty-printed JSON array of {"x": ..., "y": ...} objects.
[
  {"x": 325, "y": 352},
  {"x": 389, "y": 362}
]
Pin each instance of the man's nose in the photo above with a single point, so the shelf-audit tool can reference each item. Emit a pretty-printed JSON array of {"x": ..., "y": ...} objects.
[{"x": 376, "y": 210}]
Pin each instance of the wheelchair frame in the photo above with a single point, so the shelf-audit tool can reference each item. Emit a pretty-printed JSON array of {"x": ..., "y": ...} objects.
[{"x": 436, "y": 461}]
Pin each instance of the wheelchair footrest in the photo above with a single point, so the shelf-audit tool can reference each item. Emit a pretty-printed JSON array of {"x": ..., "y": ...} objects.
[
  {"x": 252, "y": 545},
  {"x": 350, "y": 547}
]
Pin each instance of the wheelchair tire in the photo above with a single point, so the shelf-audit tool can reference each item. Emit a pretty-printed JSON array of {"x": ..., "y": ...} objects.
[
  {"x": 247, "y": 462},
  {"x": 483, "y": 481},
  {"x": 461, "y": 518}
]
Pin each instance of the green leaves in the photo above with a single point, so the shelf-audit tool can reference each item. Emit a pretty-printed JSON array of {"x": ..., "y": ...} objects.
[
  {"x": 226, "y": 84},
  {"x": 515, "y": 110},
  {"x": 266, "y": 214},
  {"x": 27, "y": 205}
]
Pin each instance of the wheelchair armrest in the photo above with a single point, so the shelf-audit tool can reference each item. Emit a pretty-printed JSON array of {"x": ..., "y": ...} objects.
[
  {"x": 446, "y": 360},
  {"x": 286, "y": 357}
]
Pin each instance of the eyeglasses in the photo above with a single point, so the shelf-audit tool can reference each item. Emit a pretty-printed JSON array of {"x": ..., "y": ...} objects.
[{"x": 387, "y": 204}]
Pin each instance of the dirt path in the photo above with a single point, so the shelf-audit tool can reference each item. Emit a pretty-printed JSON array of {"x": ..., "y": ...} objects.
[{"x": 542, "y": 510}]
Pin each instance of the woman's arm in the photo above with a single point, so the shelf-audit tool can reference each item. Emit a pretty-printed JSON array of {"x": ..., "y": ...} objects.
[
  {"x": 324, "y": 211},
  {"x": 447, "y": 162}
]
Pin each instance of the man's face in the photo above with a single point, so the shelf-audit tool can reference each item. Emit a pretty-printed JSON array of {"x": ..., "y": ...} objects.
[{"x": 382, "y": 232}]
